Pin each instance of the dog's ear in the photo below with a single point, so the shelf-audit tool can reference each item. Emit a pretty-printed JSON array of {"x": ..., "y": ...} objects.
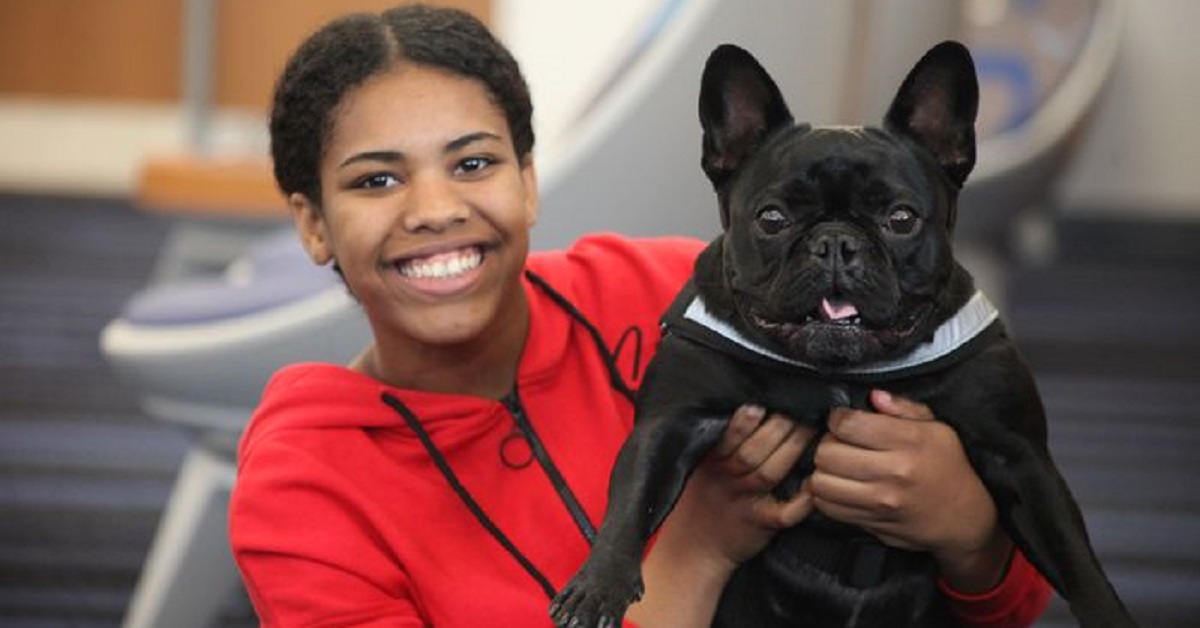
[
  {"x": 936, "y": 107},
  {"x": 739, "y": 106}
]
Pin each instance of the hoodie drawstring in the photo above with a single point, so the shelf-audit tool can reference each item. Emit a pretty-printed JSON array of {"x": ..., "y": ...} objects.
[{"x": 513, "y": 404}]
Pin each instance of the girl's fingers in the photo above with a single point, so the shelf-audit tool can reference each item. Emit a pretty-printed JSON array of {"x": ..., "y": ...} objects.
[
  {"x": 887, "y": 403},
  {"x": 877, "y": 431},
  {"x": 744, "y": 422},
  {"x": 756, "y": 448},
  {"x": 775, "y": 467},
  {"x": 777, "y": 514},
  {"x": 837, "y": 459}
]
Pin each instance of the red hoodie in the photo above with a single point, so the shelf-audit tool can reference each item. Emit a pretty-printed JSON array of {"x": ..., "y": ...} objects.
[{"x": 340, "y": 516}]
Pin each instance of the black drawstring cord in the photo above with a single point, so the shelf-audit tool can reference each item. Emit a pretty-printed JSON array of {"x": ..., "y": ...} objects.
[
  {"x": 465, "y": 496},
  {"x": 513, "y": 402},
  {"x": 610, "y": 359},
  {"x": 636, "y": 333}
]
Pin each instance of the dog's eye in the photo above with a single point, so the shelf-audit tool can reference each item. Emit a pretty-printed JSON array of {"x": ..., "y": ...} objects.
[
  {"x": 772, "y": 220},
  {"x": 902, "y": 220}
]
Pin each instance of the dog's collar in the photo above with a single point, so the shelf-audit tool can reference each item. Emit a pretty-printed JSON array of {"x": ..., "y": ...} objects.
[{"x": 971, "y": 320}]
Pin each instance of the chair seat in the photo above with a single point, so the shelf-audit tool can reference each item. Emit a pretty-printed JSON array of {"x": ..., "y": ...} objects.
[
  {"x": 273, "y": 273},
  {"x": 199, "y": 351}
]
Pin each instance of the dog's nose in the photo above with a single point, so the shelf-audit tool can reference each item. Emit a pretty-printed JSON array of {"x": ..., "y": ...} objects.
[{"x": 835, "y": 250}]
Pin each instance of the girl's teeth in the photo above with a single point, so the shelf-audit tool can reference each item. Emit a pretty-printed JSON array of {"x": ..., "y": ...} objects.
[{"x": 442, "y": 267}]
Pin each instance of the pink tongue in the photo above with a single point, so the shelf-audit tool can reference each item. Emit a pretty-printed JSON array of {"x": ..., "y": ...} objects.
[{"x": 837, "y": 310}]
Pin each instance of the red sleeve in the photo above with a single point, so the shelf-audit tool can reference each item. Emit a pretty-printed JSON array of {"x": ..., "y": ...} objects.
[
  {"x": 1016, "y": 602},
  {"x": 305, "y": 559}
]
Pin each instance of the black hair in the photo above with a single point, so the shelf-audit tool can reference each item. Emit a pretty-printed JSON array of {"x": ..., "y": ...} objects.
[{"x": 348, "y": 51}]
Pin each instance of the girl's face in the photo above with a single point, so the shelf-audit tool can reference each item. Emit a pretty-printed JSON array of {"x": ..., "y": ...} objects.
[{"x": 425, "y": 207}]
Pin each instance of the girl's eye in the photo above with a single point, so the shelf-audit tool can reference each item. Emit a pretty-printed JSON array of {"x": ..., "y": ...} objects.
[
  {"x": 902, "y": 220},
  {"x": 378, "y": 180},
  {"x": 473, "y": 164}
]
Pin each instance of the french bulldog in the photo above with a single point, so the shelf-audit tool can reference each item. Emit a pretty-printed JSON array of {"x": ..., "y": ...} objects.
[{"x": 834, "y": 274}]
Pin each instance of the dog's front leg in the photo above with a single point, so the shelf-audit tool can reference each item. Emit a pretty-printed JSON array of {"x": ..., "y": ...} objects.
[{"x": 647, "y": 479}]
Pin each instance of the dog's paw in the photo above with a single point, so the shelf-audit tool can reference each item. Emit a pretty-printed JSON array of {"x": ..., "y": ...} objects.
[{"x": 596, "y": 597}]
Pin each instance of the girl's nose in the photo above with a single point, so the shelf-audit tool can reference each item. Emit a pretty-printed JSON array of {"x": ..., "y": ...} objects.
[{"x": 433, "y": 204}]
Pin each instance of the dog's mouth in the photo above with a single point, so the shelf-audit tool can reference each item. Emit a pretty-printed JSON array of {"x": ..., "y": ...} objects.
[
  {"x": 835, "y": 311},
  {"x": 836, "y": 331}
]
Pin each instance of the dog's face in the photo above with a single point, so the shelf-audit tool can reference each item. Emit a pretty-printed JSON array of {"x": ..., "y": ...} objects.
[{"x": 836, "y": 248}]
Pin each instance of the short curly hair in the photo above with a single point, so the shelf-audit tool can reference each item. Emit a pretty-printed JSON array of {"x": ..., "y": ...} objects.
[{"x": 348, "y": 51}]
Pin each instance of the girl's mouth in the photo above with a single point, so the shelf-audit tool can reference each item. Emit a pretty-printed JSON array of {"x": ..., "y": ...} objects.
[{"x": 446, "y": 265}]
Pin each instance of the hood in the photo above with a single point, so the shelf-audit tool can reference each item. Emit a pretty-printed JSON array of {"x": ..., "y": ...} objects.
[{"x": 318, "y": 396}]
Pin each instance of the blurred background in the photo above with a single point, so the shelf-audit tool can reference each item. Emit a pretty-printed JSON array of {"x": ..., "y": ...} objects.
[{"x": 149, "y": 282}]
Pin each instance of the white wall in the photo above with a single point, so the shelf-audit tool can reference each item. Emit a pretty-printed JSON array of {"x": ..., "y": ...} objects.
[
  {"x": 1139, "y": 156},
  {"x": 1142, "y": 153},
  {"x": 91, "y": 148},
  {"x": 634, "y": 166},
  {"x": 563, "y": 47}
]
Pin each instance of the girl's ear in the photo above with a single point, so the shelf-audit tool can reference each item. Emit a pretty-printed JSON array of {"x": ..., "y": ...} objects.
[
  {"x": 310, "y": 225},
  {"x": 532, "y": 200}
]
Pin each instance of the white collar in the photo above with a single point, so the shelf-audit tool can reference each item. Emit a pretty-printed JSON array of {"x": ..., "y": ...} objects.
[{"x": 970, "y": 320}]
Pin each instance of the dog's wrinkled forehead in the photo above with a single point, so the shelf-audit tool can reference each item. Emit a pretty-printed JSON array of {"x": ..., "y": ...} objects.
[
  {"x": 837, "y": 160},
  {"x": 834, "y": 148}
]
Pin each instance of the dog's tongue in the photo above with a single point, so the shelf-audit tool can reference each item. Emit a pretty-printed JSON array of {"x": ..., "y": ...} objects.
[{"x": 837, "y": 310}]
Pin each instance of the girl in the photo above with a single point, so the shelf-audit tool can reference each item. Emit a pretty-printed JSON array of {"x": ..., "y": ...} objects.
[{"x": 452, "y": 475}]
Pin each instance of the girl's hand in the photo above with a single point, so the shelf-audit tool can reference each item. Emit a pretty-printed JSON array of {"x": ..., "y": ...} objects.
[
  {"x": 725, "y": 516},
  {"x": 904, "y": 477},
  {"x": 728, "y": 502}
]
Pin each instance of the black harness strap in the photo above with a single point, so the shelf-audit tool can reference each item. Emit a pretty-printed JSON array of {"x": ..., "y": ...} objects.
[{"x": 675, "y": 322}]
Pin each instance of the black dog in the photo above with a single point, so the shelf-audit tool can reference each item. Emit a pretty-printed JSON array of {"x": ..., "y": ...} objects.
[{"x": 834, "y": 275}]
